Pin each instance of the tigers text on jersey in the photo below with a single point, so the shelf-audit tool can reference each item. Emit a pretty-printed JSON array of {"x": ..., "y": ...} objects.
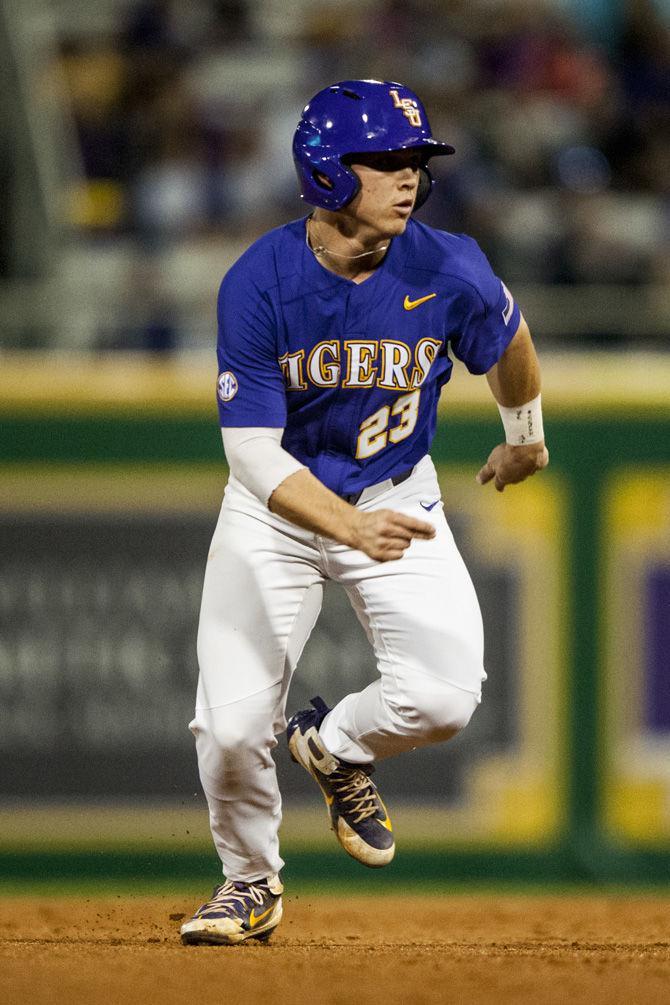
[{"x": 353, "y": 372}]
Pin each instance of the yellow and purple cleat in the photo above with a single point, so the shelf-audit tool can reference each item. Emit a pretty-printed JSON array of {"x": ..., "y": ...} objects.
[
  {"x": 357, "y": 814},
  {"x": 236, "y": 912}
]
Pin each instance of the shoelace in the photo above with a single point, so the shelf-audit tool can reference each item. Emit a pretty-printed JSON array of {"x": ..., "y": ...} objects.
[
  {"x": 231, "y": 896},
  {"x": 354, "y": 786}
]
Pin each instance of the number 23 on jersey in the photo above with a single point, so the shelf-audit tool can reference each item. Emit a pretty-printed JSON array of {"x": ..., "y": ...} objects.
[{"x": 381, "y": 428}]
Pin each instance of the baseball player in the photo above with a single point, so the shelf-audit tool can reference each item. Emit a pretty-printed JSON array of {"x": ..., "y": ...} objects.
[{"x": 335, "y": 337}]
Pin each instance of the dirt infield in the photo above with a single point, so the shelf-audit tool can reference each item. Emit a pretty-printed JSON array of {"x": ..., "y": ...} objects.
[{"x": 340, "y": 950}]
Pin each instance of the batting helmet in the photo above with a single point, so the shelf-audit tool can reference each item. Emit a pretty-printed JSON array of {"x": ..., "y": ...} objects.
[{"x": 353, "y": 117}]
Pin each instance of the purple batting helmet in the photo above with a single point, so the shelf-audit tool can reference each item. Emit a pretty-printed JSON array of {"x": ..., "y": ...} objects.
[{"x": 353, "y": 117}]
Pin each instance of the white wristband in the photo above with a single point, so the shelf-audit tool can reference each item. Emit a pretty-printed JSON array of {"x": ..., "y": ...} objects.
[{"x": 523, "y": 423}]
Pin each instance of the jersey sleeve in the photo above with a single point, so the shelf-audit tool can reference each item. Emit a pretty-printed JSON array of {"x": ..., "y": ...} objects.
[
  {"x": 490, "y": 317},
  {"x": 250, "y": 385}
]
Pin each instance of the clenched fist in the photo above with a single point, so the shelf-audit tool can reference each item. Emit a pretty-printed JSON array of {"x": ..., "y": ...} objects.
[{"x": 508, "y": 464}]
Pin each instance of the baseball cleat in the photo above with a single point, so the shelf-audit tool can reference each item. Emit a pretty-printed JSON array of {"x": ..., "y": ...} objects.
[
  {"x": 236, "y": 912},
  {"x": 357, "y": 814}
]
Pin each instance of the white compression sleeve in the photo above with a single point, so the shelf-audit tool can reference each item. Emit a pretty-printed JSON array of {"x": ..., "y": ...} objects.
[{"x": 257, "y": 459}]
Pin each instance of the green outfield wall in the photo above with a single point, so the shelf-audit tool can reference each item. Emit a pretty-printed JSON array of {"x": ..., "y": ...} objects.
[{"x": 110, "y": 481}]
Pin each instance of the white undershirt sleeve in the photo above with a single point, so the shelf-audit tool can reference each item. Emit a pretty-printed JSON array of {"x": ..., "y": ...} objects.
[{"x": 257, "y": 459}]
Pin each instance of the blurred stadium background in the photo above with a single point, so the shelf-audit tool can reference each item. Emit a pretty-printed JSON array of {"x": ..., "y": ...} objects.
[{"x": 145, "y": 144}]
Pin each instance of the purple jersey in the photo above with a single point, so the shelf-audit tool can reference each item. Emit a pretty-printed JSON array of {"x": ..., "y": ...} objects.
[{"x": 353, "y": 372}]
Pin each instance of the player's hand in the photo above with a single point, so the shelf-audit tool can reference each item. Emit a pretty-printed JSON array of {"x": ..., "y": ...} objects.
[
  {"x": 385, "y": 535},
  {"x": 508, "y": 464}
]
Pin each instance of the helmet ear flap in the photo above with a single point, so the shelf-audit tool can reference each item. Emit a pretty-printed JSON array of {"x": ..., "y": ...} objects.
[
  {"x": 354, "y": 183},
  {"x": 338, "y": 184},
  {"x": 324, "y": 180},
  {"x": 424, "y": 189}
]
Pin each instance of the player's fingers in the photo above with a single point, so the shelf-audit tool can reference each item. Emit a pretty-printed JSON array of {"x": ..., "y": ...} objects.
[
  {"x": 393, "y": 539},
  {"x": 500, "y": 485},
  {"x": 426, "y": 534},
  {"x": 387, "y": 552},
  {"x": 391, "y": 543},
  {"x": 393, "y": 552},
  {"x": 388, "y": 557},
  {"x": 416, "y": 528},
  {"x": 398, "y": 540},
  {"x": 389, "y": 529},
  {"x": 485, "y": 473},
  {"x": 396, "y": 549}
]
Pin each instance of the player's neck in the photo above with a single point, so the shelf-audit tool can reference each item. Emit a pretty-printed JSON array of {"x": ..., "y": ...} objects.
[{"x": 344, "y": 248}]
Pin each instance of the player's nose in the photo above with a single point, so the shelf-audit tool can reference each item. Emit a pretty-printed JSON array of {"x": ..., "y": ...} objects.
[{"x": 408, "y": 176}]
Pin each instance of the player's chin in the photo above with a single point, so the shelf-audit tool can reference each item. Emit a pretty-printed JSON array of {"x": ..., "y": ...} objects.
[{"x": 397, "y": 220}]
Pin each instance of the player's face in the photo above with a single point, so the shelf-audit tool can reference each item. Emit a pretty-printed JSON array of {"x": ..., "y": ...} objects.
[{"x": 389, "y": 183}]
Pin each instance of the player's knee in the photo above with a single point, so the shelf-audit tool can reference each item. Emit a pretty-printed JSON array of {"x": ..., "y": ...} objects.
[
  {"x": 436, "y": 712},
  {"x": 230, "y": 743},
  {"x": 454, "y": 710},
  {"x": 228, "y": 736}
]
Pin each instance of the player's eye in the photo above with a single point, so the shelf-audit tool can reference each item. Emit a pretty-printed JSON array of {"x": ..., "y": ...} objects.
[
  {"x": 393, "y": 161},
  {"x": 397, "y": 162},
  {"x": 386, "y": 164}
]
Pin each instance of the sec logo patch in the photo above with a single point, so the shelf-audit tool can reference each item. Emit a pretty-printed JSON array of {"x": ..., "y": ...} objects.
[{"x": 226, "y": 386}]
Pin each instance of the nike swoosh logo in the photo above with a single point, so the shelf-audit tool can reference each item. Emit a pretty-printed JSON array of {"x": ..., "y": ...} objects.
[
  {"x": 430, "y": 506},
  {"x": 253, "y": 920},
  {"x": 409, "y": 305},
  {"x": 387, "y": 823}
]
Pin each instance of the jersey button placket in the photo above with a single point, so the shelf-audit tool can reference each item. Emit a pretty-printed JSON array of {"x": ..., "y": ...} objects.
[
  {"x": 350, "y": 403},
  {"x": 338, "y": 399}
]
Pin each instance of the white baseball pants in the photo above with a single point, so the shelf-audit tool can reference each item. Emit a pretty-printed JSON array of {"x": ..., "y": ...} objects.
[{"x": 261, "y": 597}]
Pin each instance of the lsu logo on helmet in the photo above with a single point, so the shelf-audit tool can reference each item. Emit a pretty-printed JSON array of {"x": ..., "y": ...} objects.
[{"x": 409, "y": 108}]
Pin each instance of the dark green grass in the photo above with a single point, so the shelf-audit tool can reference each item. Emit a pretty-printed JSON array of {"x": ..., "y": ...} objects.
[
  {"x": 145, "y": 873},
  {"x": 190, "y": 893}
]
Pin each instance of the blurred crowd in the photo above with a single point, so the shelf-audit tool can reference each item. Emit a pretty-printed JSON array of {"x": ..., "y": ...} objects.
[{"x": 184, "y": 116}]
